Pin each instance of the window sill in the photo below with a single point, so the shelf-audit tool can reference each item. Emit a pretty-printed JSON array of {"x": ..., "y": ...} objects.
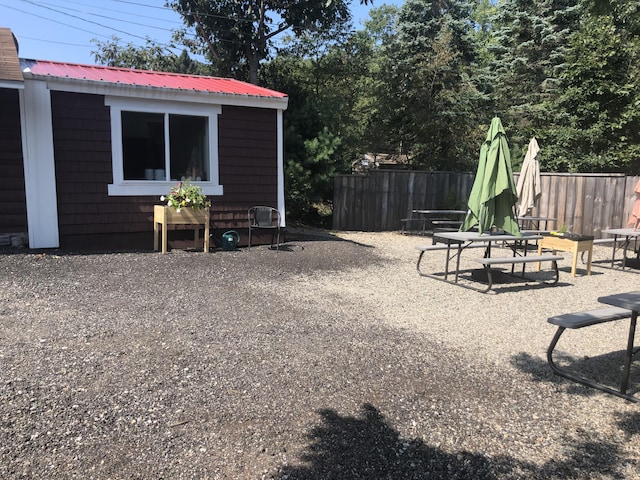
[{"x": 156, "y": 188}]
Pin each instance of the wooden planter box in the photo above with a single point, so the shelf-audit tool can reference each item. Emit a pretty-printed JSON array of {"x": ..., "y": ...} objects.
[
  {"x": 163, "y": 216},
  {"x": 574, "y": 246}
]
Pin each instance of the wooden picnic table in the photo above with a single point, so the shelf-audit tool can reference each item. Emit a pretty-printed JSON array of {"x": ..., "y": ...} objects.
[
  {"x": 456, "y": 242},
  {"x": 533, "y": 223},
  {"x": 629, "y": 234},
  {"x": 629, "y": 301},
  {"x": 432, "y": 220}
]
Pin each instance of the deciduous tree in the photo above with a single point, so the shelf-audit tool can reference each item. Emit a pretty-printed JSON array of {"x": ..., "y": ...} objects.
[
  {"x": 150, "y": 57},
  {"x": 237, "y": 35}
]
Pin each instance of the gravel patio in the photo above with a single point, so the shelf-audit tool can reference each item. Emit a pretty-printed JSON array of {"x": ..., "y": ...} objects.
[{"x": 332, "y": 359}]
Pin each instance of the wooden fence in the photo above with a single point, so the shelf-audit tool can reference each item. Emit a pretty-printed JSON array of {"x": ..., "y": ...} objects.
[{"x": 377, "y": 201}]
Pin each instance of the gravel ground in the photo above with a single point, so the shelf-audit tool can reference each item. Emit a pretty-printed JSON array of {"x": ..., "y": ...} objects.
[{"x": 332, "y": 359}]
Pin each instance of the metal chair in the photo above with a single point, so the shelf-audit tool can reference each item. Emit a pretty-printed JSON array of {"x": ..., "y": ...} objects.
[{"x": 265, "y": 218}]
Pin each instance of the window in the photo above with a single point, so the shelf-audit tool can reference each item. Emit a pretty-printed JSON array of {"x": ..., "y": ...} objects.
[{"x": 156, "y": 144}]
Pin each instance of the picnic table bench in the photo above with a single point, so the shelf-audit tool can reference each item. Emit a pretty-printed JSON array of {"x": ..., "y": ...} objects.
[
  {"x": 518, "y": 259},
  {"x": 586, "y": 319},
  {"x": 443, "y": 246}
]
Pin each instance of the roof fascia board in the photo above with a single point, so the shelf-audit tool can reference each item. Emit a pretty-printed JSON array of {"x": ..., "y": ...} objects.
[
  {"x": 156, "y": 93},
  {"x": 11, "y": 84}
]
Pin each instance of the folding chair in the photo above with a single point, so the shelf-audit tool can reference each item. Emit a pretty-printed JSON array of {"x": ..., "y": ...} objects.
[{"x": 265, "y": 218}]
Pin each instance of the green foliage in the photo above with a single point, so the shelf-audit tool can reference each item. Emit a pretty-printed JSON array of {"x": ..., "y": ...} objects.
[
  {"x": 529, "y": 49},
  {"x": 597, "y": 118},
  {"x": 429, "y": 95},
  {"x": 424, "y": 80},
  {"x": 236, "y": 35},
  {"x": 149, "y": 57},
  {"x": 311, "y": 146},
  {"x": 186, "y": 195},
  {"x": 309, "y": 179},
  {"x": 327, "y": 82}
]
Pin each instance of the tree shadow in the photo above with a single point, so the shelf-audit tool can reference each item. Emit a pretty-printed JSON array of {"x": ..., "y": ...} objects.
[{"x": 351, "y": 448}]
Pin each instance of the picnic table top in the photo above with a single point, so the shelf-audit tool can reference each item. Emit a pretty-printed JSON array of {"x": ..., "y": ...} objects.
[
  {"x": 440, "y": 212},
  {"x": 486, "y": 237}
]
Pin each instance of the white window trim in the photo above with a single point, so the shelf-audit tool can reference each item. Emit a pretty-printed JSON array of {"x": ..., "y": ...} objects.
[{"x": 122, "y": 187}]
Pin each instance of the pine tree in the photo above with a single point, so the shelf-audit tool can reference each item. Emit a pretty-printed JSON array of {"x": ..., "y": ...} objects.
[
  {"x": 597, "y": 122},
  {"x": 431, "y": 100},
  {"x": 530, "y": 48}
]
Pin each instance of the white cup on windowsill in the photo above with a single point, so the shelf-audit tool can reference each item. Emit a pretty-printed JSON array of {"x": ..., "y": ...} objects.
[
  {"x": 160, "y": 174},
  {"x": 149, "y": 174}
]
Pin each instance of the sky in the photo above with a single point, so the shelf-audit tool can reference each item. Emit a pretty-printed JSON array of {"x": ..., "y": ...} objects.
[{"x": 62, "y": 30}]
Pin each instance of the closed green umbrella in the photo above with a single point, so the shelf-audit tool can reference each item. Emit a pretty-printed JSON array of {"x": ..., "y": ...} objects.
[{"x": 493, "y": 194}]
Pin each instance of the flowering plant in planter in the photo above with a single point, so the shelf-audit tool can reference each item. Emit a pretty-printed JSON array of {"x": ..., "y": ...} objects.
[{"x": 185, "y": 195}]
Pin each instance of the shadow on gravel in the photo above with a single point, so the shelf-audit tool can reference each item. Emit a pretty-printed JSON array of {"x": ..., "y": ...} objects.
[
  {"x": 605, "y": 369},
  {"x": 293, "y": 241},
  {"x": 629, "y": 423},
  {"x": 349, "y": 448},
  {"x": 357, "y": 448},
  {"x": 320, "y": 236}
]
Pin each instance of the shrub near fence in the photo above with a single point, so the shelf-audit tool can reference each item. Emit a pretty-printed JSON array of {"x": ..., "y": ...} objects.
[{"x": 377, "y": 201}]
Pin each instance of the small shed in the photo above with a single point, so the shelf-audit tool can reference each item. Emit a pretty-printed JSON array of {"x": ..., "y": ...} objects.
[{"x": 86, "y": 151}]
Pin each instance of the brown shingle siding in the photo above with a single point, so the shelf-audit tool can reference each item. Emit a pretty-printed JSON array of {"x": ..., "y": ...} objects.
[
  {"x": 248, "y": 157},
  {"x": 83, "y": 170},
  {"x": 247, "y": 167},
  {"x": 13, "y": 215}
]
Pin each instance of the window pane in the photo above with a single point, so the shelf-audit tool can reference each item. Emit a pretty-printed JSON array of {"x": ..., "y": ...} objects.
[
  {"x": 143, "y": 146},
  {"x": 189, "y": 147}
]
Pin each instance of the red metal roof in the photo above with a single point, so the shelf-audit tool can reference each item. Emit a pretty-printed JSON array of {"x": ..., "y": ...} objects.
[{"x": 149, "y": 78}]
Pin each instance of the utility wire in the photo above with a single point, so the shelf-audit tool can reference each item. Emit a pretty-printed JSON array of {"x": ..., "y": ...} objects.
[
  {"x": 57, "y": 43},
  {"x": 171, "y": 48},
  {"x": 89, "y": 7},
  {"x": 65, "y": 11},
  {"x": 119, "y": 20},
  {"x": 54, "y": 21},
  {"x": 83, "y": 19}
]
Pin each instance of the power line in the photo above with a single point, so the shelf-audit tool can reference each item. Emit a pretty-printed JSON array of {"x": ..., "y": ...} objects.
[
  {"x": 48, "y": 19},
  {"x": 106, "y": 17},
  {"x": 91, "y": 6},
  {"x": 65, "y": 12},
  {"x": 137, "y": 4},
  {"x": 84, "y": 10},
  {"x": 83, "y": 19},
  {"x": 57, "y": 43}
]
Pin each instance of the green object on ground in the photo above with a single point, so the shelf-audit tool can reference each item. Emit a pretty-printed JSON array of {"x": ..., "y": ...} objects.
[{"x": 230, "y": 240}]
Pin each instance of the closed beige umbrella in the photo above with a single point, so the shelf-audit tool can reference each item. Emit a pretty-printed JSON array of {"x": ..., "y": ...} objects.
[{"x": 528, "y": 187}]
